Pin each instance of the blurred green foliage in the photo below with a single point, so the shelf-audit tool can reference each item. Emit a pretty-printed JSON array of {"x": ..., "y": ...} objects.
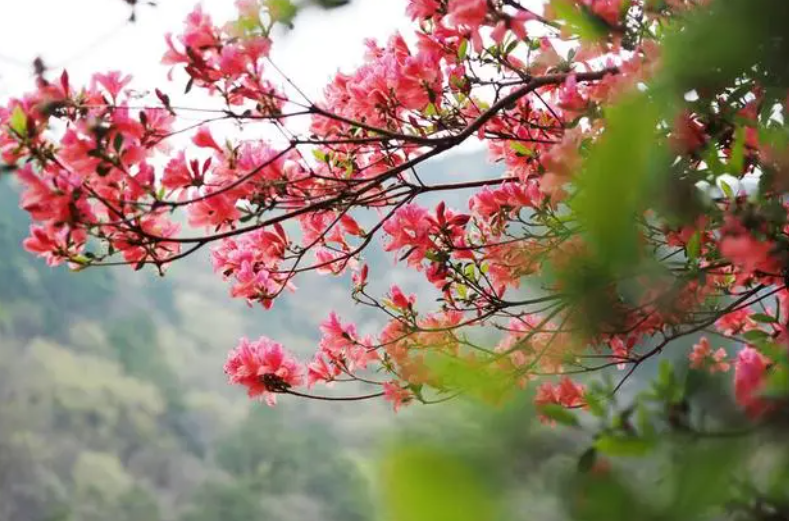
[
  {"x": 677, "y": 449},
  {"x": 102, "y": 419}
]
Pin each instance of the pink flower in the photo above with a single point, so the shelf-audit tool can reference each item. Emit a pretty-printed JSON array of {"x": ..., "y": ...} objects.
[
  {"x": 154, "y": 224},
  {"x": 330, "y": 262},
  {"x": 471, "y": 13},
  {"x": 216, "y": 211},
  {"x": 252, "y": 261},
  {"x": 410, "y": 228},
  {"x": 747, "y": 252},
  {"x": 341, "y": 344},
  {"x": 397, "y": 394},
  {"x": 570, "y": 99},
  {"x": 422, "y": 9},
  {"x": 204, "y": 139},
  {"x": 41, "y": 199},
  {"x": 621, "y": 349},
  {"x": 608, "y": 10},
  {"x": 399, "y": 300},
  {"x": 177, "y": 174},
  {"x": 233, "y": 60},
  {"x": 248, "y": 8},
  {"x": 567, "y": 394},
  {"x": 750, "y": 373},
  {"x": 264, "y": 368},
  {"x": 689, "y": 134},
  {"x": 320, "y": 370},
  {"x": 54, "y": 244},
  {"x": 736, "y": 322},
  {"x": 359, "y": 276},
  {"x": 336, "y": 336},
  {"x": 509, "y": 198},
  {"x": 113, "y": 81},
  {"x": 703, "y": 357},
  {"x": 200, "y": 31}
]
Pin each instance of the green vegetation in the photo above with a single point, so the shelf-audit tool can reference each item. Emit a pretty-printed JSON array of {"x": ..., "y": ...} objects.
[{"x": 114, "y": 408}]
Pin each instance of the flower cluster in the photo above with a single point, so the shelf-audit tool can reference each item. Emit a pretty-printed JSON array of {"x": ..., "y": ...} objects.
[
  {"x": 512, "y": 255},
  {"x": 264, "y": 368}
]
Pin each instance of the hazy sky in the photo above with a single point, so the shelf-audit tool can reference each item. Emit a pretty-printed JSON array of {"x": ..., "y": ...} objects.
[{"x": 92, "y": 35}]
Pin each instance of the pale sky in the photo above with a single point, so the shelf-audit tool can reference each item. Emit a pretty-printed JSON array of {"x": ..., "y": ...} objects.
[{"x": 88, "y": 36}]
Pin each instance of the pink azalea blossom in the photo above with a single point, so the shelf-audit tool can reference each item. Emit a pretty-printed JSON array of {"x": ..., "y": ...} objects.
[
  {"x": 471, "y": 13},
  {"x": 566, "y": 393},
  {"x": 264, "y": 368},
  {"x": 398, "y": 395},
  {"x": 750, "y": 373},
  {"x": 703, "y": 357}
]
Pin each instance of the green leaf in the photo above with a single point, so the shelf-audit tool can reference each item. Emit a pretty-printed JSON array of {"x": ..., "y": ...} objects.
[
  {"x": 117, "y": 143},
  {"x": 558, "y": 414},
  {"x": 521, "y": 148},
  {"x": 580, "y": 21},
  {"x": 693, "y": 248},
  {"x": 587, "y": 460},
  {"x": 777, "y": 385},
  {"x": 702, "y": 478},
  {"x": 431, "y": 484},
  {"x": 726, "y": 189},
  {"x": 470, "y": 272},
  {"x": 595, "y": 404},
  {"x": 462, "y": 50},
  {"x": 18, "y": 121},
  {"x": 755, "y": 335},
  {"x": 282, "y": 11},
  {"x": 628, "y": 446},
  {"x": 763, "y": 318},
  {"x": 620, "y": 167},
  {"x": 737, "y": 159},
  {"x": 665, "y": 374},
  {"x": 715, "y": 60}
]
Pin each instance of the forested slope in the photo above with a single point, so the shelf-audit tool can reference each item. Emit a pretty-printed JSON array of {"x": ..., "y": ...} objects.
[{"x": 114, "y": 405}]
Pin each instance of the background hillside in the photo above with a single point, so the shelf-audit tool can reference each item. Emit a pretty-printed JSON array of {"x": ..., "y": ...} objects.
[{"x": 115, "y": 405}]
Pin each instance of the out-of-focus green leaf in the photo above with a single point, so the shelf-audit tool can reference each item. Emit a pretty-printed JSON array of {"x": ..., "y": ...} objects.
[
  {"x": 606, "y": 498},
  {"x": 693, "y": 248},
  {"x": 765, "y": 319},
  {"x": 702, "y": 477},
  {"x": 777, "y": 385},
  {"x": 737, "y": 159},
  {"x": 724, "y": 40},
  {"x": 616, "y": 445},
  {"x": 462, "y": 49},
  {"x": 520, "y": 148},
  {"x": 558, "y": 414},
  {"x": 755, "y": 335},
  {"x": 471, "y": 378},
  {"x": 331, "y": 4},
  {"x": 595, "y": 402},
  {"x": 282, "y": 11},
  {"x": 615, "y": 181},
  {"x": 587, "y": 460},
  {"x": 579, "y": 21},
  {"x": 18, "y": 121},
  {"x": 726, "y": 189},
  {"x": 429, "y": 484}
]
